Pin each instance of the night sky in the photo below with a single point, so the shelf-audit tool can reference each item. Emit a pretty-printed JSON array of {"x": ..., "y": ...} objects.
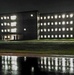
[{"x": 44, "y": 6}]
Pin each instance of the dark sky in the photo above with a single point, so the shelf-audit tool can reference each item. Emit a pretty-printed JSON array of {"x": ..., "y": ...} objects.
[{"x": 41, "y": 5}]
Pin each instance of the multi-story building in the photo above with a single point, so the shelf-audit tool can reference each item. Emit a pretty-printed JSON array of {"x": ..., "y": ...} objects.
[{"x": 34, "y": 25}]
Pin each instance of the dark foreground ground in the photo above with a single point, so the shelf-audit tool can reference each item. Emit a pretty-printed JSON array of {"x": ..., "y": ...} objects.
[{"x": 37, "y": 48}]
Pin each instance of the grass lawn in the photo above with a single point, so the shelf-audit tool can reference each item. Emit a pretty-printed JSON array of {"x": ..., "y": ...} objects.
[{"x": 56, "y": 46}]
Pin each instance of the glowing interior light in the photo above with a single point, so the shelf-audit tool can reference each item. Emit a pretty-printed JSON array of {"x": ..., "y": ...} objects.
[
  {"x": 41, "y": 36},
  {"x": 8, "y": 24},
  {"x": 59, "y": 36},
  {"x": 51, "y": 23},
  {"x": 13, "y": 30},
  {"x": 63, "y": 35},
  {"x": 44, "y": 24},
  {"x": 51, "y": 17},
  {"x": 48, "y": 17},
  {"x": 45, "y": 36},
  {"x": 8, "y": 36},
  {"x": 56, "y": 36},
  {"x": 41, "y": 18},
  {"x": 24, "y": 29},
  {"x": 67, "y": 16},
  {"x": 56, "y": 16},
  {"x": 13, "y": 23},
  {"x": 52, "y": 30},
  {"x": 5, "y": 30},
  {"x": 67, "y": 29},
  {"x": 8, "y": 30},
  {"x": 48, "y": 36},
  {"x": 1, "y": 18},
  {"x": 59, "y": 29},
  {"x": 4, "y": 17},
  {"x": 44, "y": 17},
  {"x": 52, "y": 36},
  {"x": 1, "y": 24},
  {"x": 63, "y": 29},
  {"x": 71, "y": 22},
  {"x": 63, "y": 16},
  {"x": 71, "y": 15},
  {"x": 41, "y": 24},
  {"x": 56, "y": 29},
  {"x": 59, "y": 16},
  {"x": 5, "y": 23},
  {"x": 41, "y": 30},
  {"x": 13, "y": 17},
  {"x": 56, "y": 23},
  {"x": 71, "y": 35},
  {"x": 7, "y": 17},
  {"x": 67, "y": 22},
  {"x": 67, "y": 35},
  {"x": 44, "y": 30},
  {"x": 31, "y": 15},
  {"x": 48, "y": 30},
  {"x": 2, "y": 30},
  {"x": 48, "y": 23},
  {"x": 63, "y": 23},
  {"x": 59, "y": 23},
  {"x": 71, "y": 29}
]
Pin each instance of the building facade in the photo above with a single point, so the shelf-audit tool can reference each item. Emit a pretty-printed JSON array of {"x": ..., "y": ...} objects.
[{"x": 34, "y": 25}]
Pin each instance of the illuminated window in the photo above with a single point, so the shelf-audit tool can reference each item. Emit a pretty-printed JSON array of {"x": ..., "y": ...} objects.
[
  {"x": 67, "y": 35},
  {"x": 56, "y": 29},
  {"x": 67, "y": 16},
  {"x": 2, "y": 30},
  {"x": 8, "y": 36},
  {"x": 41, "y": 30},
  {"x": 71, "y": 35},
  {"x": 31, "y": 15},
  {"x": 56, "y": 16},
  {"x": 13, "y": 23},
  {"x": 56, "y": 36},
  {"x": 24, "y": 29},
  {"x": 71, "y": 22},
  {"x": 8, "y": 30},
  {"x": 44, "y": 17},
  {"x": 41, "y": 36},
  {"x": 51, "y": 23},
  {"x": 48, "y": 36},
  {"x": 1, "y": 18},
  {"x": 59, "y": 29},
  {"x": 59, "y": 23},
  {"x": 5, "y": 23},
  {"x": 7, "y": 17},
  {"x": 48, "y": 30},
  {"x": 41, "y": 24},
  {"x": 52, "y": 29},
  {"x": 5, "y": 30},
  {"x": 5, "y": 36},
  {"x": 67, "y": 29},
  {"x": 63, "y": 23},
  {"x": 52, "y": 36},
  {"x": 63, "y": 29},
  {"x": 44, "y": 30},
  {"x": 41, "y": 18},
  {"x": 13, "y": 17},
  {"x": 56, "y": 23},
  {"x": 44, "y": 24},
  {"x": 13, "y": 30},
  {"x": 45, "y": 36},
  {"x": 48, "y": 23},
  {"x": 67, "y": 22},
  {"x": 8, "y": 24},
  {"x": 1, "y": 24},
  {"x": 63, "y": 16},
  {"x": 59, "y": 16},
  {"x": 4, "y": 17},
  {"x": 71, "y": 15},
  {"x": 48, "y": 17},
  {"x": 71, "y": 29},
  {"x": 59, "y": 36},
  {"x": 51, "y": 17},
  {"x": 63, "y": 35}
]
